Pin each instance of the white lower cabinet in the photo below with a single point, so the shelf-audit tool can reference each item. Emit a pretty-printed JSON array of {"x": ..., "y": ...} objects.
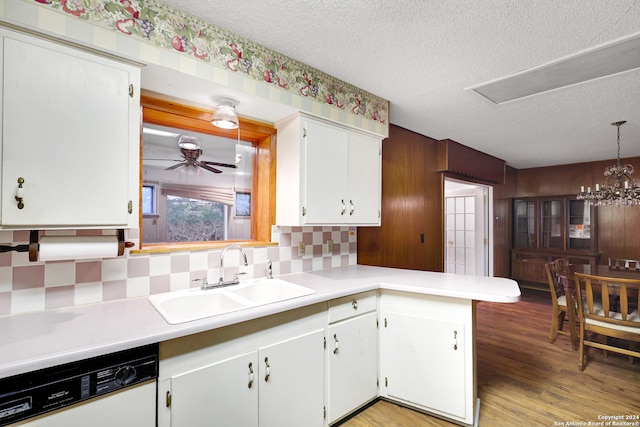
[
  {"x": 270, "y": 372},
  {"x": 291, "y": 378},
  {"x": 207, "y": 380},
  {"x": 427, "y": 355},
  {"x": 223, "y": 393},
  {"x": 353, "y": 365},
  {"x": 352, "y": 355}
]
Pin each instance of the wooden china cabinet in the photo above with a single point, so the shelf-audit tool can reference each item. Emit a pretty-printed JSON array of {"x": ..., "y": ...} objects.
[{"x": 547, "y": 228}]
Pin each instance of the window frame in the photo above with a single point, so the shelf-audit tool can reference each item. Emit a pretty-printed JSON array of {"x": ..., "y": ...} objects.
[
  {"x": 154, "y": 200},
  {"x": 170, "y": 113},
  {"x": 235, "y": 207}
]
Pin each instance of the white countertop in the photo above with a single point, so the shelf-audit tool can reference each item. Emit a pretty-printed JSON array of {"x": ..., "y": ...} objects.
[{"x": 34, "y": 341}]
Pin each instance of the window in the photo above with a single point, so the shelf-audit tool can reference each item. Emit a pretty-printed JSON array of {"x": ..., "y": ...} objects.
[
  {"x": 202, "y": 194},
  {"x": 243, "y": 204},
  {"x": 148, "y": 200},
  {"x": 194, "y": 220}
]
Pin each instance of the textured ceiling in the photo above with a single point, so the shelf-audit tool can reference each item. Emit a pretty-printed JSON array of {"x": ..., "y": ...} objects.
[{"x": 422, "y": 55}]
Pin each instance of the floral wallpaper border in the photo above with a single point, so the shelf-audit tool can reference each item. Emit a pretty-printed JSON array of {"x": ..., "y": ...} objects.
[{"x": 170, "y": 28}]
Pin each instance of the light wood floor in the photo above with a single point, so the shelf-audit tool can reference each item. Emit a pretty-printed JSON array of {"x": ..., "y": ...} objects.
[{"x": 523, "y": 380}]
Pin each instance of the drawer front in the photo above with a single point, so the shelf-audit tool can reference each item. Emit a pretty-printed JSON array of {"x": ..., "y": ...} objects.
[{"x": 353, "y": 305}]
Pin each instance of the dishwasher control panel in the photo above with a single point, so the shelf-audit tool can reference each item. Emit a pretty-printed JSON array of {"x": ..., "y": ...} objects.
[{"x": 26, "y": 395}]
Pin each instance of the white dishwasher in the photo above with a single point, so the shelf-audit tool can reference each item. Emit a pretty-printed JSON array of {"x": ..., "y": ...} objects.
[{"x": 117, "y": 389}]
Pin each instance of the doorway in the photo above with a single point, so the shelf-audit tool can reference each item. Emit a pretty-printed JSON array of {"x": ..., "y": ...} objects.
[{"x": 467, "y": 228}]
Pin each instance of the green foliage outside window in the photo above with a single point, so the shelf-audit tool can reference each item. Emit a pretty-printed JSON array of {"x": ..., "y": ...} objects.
[{"x": 191, "y": 220}]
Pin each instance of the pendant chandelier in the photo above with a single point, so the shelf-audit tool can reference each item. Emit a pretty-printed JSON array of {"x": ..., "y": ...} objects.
[{"x": 618, "y": 188}]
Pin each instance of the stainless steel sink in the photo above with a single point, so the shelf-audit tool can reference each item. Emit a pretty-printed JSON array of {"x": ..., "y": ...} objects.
[{"x": 192, "y": 304}]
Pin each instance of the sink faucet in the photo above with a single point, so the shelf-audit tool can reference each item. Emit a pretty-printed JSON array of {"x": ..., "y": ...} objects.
[
  {"x": 235, "y": 280},
  {"x": 269, "y": 269}
]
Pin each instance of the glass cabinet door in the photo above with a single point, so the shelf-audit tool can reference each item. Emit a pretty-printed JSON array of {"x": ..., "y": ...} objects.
[
  {"x": 579, "y": 233},
  {"x": 524, "y": 235},
  {"x": 551, "y": 218}
]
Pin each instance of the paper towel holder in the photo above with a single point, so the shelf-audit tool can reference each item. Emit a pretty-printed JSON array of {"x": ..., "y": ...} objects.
[{"x": 34, "y": 247}]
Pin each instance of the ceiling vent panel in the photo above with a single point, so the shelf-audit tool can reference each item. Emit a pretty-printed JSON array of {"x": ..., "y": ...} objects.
[{"x": 606, "y": 60}]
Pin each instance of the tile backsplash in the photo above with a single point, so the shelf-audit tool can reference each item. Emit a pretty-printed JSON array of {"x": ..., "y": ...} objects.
[{"x": 36, "y": 286}]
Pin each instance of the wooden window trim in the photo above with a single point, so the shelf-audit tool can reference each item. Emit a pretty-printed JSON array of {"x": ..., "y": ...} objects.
[{"x": 173, "y": 114}]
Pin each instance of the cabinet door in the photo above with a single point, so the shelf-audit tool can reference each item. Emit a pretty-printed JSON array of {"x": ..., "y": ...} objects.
[
  {"x": 580, "y": 220},
  {"x": 325, "y": 194},
  {"x": 224, "y": 394},
  {"x": 353, "y": 364},
  {"x": 292, "y": 382},
  {"x": 364, "y": 179},
  {"x": 551, "y": 224},
  {"x": 425, "y": 362},
  {"x": 524, "y": 224},
  {"x": 66, "y": 130}
]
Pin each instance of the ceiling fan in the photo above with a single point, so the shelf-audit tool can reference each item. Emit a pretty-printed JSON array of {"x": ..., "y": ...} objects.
[{"x": 191, "y": 152}]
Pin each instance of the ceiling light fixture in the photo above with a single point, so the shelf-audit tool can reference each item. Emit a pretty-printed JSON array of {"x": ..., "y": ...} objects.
[
  {"x": 225, "y": 116},
  {"x": 618, "y": 188},
  {"x": 188, "y": 142}
]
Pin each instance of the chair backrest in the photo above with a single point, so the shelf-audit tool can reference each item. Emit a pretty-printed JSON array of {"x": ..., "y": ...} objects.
[
  {"x": 555, "y": 270},
  {"x": 608, "y": 299},
  {"x": 624, "y": 264}
]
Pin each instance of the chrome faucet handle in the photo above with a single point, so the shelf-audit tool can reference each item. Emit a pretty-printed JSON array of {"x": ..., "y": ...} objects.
[
  {"x": 236, "y": 275},
  {"x": 205, "y": 282},
  {"x": 269, "y": 269}
]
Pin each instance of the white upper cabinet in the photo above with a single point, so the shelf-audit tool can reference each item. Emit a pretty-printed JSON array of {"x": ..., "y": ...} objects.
[
  {"x": 327, "y": 174},
  {"x": 70, "y": 137}
]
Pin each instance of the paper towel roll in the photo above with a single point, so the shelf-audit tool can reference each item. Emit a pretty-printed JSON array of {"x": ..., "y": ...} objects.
[{"x": 53, "y": 248}]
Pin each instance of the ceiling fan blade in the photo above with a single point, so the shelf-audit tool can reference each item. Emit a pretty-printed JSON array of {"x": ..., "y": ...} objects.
[
  {"x": 164, "y": 160},
  {"x": 177, "y": 165},
  {"x": 225, "y": 165},
  {"x": 209, "y": 168}
]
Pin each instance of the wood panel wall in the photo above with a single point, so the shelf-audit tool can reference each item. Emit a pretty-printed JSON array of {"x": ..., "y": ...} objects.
[
  {"x": 412, "y": 232},
  {"x": 412, "y": 206},
  {"x": 502, "y": 236},
  {"x": 618, "y": 228}
]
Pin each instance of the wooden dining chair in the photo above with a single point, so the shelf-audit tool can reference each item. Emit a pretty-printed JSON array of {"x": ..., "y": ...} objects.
[
  {"x": 597, "y": 316},
  {"x": 624, "y": 264},
  {"x": 564, "y": 308}
]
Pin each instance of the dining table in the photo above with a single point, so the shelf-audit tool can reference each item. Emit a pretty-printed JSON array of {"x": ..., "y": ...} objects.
[{"x": 602, "y": 270}]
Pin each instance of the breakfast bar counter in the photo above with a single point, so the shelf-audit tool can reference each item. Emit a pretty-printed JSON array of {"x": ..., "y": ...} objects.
[{"x": 43, "y": 339}]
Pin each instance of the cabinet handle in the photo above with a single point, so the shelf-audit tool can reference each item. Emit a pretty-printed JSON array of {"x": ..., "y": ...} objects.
[
  {"x": 455, "y": 340},
  {"x": 250, "y": 375},
  {"x": 267, "y": 369},
  {"x": 336, "y": 345},
  {"x": 19, "y": 193},
  {"x": 354, "y": 304},
  {"x": 344, "y": 207},
  {"x": 353, "y": 208}
]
